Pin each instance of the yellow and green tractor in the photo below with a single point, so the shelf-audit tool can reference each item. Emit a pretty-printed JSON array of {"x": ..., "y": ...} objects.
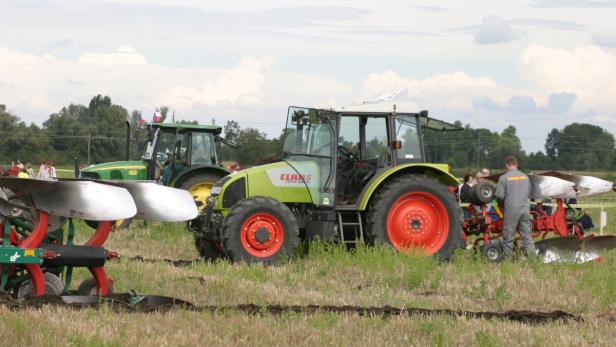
[{"x": 347, "y": 175}]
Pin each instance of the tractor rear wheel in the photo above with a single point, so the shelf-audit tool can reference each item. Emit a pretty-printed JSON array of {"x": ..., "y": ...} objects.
[
  {"x": 415, "y": 211},
  {"x": 208, "y": 249},
  {"x": 260, "y": 230},
  {"x": 199, "y": 185}
]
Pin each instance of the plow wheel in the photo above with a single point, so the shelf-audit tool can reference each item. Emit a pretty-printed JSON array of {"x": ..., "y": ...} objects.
[
  {"x": 53, "y": 286},
  {"x": 493, "y": 251},
  {"x": 260, "y": 229},
  {"x": 416, "y": 212},
  {"x": 208, "y": 249}
]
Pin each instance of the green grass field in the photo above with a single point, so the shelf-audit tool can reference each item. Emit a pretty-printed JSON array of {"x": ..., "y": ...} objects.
[{"x": 327, "y": 275}]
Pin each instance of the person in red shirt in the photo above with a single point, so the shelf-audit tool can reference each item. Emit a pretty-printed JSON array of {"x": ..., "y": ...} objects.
[{"x": 13, "y": 170}]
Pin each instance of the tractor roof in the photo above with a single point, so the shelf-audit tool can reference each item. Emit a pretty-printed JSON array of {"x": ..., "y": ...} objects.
[
  {"x": 404, "y": 107},
  {"x": 190, "y": 126}
]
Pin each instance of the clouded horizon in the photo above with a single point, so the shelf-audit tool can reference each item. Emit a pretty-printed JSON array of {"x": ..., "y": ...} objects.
[{"x": 534, "y": 64}]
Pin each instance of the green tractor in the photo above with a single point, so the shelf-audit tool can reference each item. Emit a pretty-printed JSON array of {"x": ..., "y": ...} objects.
[
  {"x": 347, "y": 175},
  {"x": 179, "y": 155}
]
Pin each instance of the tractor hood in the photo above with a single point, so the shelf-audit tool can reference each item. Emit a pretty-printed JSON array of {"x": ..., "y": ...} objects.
[
  {"x": 277, "y": 180},
  {"x": 120, "y": 170}
]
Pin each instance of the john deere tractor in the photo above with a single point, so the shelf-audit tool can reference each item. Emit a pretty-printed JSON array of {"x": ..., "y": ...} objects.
[
  {"x": 175, "y": 154},
  {"x": 347, "y": 175}
]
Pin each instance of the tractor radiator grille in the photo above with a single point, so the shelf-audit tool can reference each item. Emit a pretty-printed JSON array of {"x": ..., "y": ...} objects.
[{"x": 234, "y": 193}]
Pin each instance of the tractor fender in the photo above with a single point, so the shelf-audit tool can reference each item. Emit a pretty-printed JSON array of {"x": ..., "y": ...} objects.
[
  {"x": 440, "y": 172},
  {"x": 217, "y": 170}
]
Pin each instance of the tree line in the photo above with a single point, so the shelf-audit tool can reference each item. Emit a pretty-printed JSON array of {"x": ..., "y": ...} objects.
[
  {"x": 577, "y": 146},
  {"x": 95, "y": 133}
]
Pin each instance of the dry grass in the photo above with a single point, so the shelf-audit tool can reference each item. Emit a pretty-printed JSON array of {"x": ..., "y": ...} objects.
[{"x": 327, "y": 275}]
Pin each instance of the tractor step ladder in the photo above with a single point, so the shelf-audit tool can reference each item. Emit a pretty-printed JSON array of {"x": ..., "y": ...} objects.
[{"x": 356, "y": 224}]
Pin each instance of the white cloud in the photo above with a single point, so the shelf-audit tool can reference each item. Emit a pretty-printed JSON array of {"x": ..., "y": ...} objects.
[
  {"x": 495, "y": 29},
  {"x": 34, "y": 86},
  {"x": 604, "y": 39},
  {"x": 454, "y": 91},
  {"x": 589, "y": 72},
  {"x": 242, "y": 84},
  {"x": 124, "y": 55}
]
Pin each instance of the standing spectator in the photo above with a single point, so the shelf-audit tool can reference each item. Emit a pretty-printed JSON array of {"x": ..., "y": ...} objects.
[
  {"x": 13, "y": 170},
  {"x": 465, "y": 190},
  {"x": 52, "y": 169},
  {"x": 43, "y": 171},
  {"x": 30, "y": 170},
  {"x": 485, "y": 172},
  {"x": 23, "y": 173}
]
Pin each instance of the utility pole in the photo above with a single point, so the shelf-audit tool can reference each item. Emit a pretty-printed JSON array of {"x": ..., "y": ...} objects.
[
  {"x": 478, "y": 152},
  {"x": 89, "y": 138}
]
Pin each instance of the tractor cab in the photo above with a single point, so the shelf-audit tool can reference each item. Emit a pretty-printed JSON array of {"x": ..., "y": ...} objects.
[
  {"x": 172, "y": 148},
  {"x": 338, "y": 152}
]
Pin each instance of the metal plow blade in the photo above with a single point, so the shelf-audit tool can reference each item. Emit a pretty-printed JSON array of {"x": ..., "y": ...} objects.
[
  {"x": 551, "y": 187},
  {"x": 73, "y": 199},
  {"x": 5, "y": 208},
  {"x": 595, "y": 247},
  {"x": 574, "y": 250},
  {"x": 558, "y": 250},
  {"x": 158, "y": 203},
  {"x": 584, "y": 185}
]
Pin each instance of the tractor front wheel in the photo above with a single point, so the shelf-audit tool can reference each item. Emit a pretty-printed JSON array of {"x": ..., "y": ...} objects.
[
  {"x": 199, "y": 185},
  {"x": 416, "y": 211},
  {"x": 208, "y": 249},
  {"x": 260, "y": 230}
]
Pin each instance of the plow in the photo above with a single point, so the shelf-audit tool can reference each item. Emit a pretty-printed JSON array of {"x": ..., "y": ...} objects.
[
  {"x": 34, "y": 253},
  {"x": 560, "y": 236}
]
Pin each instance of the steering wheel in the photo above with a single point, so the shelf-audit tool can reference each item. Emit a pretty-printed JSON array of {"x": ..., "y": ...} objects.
[{"x": 345, "y": 152}]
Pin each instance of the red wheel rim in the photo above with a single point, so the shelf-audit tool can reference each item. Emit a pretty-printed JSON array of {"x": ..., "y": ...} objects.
[
  {"x": 262, "y": 235},
  {"x": 418, "y": 219}
]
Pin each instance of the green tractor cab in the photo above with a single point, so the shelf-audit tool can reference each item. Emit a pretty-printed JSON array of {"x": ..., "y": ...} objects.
[
  {"x": 175, "y": 154},
  {"x": 347, "y": 175}
]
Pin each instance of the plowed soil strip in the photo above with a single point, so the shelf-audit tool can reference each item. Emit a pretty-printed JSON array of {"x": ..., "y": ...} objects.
[
  {"x": 178, "y": 263},
  {"x": 120, "y": 303}
]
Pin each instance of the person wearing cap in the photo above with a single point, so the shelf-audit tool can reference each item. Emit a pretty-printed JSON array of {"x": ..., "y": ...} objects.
[{"x": 514, "y": 190}]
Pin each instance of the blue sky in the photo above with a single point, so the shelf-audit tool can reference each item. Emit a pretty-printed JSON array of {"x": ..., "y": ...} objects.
[{"x": 536, "y": 64}]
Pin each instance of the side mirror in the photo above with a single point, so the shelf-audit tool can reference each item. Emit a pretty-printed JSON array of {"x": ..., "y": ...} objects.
[
  {"x": 396, "y": 144},
  {"x": 226, "y": 142}
]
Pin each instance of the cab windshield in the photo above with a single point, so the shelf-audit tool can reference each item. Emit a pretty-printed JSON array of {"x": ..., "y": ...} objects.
[{"x": 309, "y": 148}]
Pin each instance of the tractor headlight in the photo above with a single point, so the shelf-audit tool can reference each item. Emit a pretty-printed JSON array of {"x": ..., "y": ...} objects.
[{"x": 215, "y": 190}]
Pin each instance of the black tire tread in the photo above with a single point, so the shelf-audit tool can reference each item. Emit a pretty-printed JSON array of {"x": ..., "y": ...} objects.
[{"x": 208, "y": 250}]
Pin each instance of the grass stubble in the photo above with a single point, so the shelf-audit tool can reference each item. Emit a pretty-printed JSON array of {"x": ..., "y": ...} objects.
[{"x": 326, "y": 275}]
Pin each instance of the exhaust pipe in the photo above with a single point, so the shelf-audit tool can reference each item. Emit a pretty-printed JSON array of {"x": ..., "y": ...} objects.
[{"x": 127, "y": 154}]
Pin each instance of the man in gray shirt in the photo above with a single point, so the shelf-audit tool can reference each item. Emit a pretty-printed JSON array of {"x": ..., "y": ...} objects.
[{"x": 514, "y": 191}]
